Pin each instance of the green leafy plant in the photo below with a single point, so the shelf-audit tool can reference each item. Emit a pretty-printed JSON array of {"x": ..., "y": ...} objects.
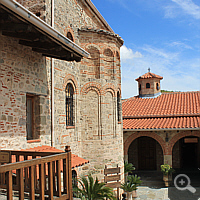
[
  {"x": 128, "y": 167},
  {"x": 135, "y": 180},
  {"x": 167, "y": 169},
  {"x": 89, "y": 189},
  {"x": 132, "y": 183}
]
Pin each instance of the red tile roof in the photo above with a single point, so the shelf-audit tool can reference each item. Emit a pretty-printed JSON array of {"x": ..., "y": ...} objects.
[
  {"x": 149, "y": 75},
  {"x": 76, "y": 161},
  {"x": 169, "y": 110}
]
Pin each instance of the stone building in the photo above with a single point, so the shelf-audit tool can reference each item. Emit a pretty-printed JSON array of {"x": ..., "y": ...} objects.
[
  {"x": 52, "y": 93},
  {"x": 161, "y": 128}
]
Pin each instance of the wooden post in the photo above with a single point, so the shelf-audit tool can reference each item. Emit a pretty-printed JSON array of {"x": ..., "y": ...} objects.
[
  {"x": 69, "y": 171},
  {"x": 9, "y": 185},
  {"x": 41, "y": 178},
  {"x": 50, "y": 180},
  {"x": 58, "y": 177},
  {"x": 21, "y": 184},
  {"x": 32, "y": 183}
]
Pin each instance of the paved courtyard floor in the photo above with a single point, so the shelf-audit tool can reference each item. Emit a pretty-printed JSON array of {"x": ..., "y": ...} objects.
[{"x": 147, "y": 193}]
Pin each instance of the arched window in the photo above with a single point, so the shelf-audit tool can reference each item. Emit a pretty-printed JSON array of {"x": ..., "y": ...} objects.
[
  {"x": 157, "y": 86},
  {"x": 69, "y": 105},
  {"x": 69, "y": 36},
  {"x": 147, "y": 85},
  {"x": 140, "y": 88},
  {"x": 118, "y": 107}
]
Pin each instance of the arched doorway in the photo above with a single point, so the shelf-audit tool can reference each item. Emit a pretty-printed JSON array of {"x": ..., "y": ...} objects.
[
  {"x": 186, "y": 153},
  {"x": 145, "y": 153}
]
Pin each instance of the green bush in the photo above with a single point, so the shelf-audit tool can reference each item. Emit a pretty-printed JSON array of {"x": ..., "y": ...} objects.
[
  {"x": 89, "y": 189},
  {"x": 167, "y": 169}
]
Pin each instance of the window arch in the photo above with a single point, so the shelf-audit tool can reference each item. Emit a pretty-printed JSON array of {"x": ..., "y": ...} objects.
[
  {"x": 118, "y": 106},
  {"x": 157, "y": 86},
  {"x": 69, "y": 36},
  {"x": 109, "y": 59},
  {"x": 147, "y": 85},
  {"x": 69, "y": 91},
  {"x": 95, "y": 58}
]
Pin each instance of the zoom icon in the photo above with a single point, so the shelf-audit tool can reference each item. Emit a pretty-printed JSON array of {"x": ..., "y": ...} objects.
[{"x": 182, "y": 182}]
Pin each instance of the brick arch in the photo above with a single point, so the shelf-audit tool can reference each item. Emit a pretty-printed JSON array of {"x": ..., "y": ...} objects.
[
  {"x": 108, "y": 87},
  {"x": 119, "y": 90},
  {"x": 91, "y": 86},
  {"x": 69, "y": 78},
  {"x": 178, "y": 136},
  {"x": 134, "y": 136},
  {"x": 93, "y": 45},
  {"x": 117, "y": 54},
  {"x": 70, "y": 30}
]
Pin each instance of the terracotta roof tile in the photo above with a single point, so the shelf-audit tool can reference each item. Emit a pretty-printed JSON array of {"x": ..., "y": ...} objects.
[
  {"x": 169, "y": 110},
  {"x": 76, "y": 161},
  {"x": 149, "y": 75},
  {"x": 162, "y": 123}
]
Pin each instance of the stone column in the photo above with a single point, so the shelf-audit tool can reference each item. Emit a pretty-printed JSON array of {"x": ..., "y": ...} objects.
[{"x": 168, "y": 159}]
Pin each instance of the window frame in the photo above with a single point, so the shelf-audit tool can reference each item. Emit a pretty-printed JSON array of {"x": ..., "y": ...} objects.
[
  {"x": 149, "y": 85},
  {"x": 32, "y": 113},
  {"x": 69, "y": 105},
  {"x": 118, "y": 107}
]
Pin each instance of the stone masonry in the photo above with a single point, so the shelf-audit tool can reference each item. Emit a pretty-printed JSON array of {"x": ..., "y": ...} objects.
[{"x": 97, "y": 132}]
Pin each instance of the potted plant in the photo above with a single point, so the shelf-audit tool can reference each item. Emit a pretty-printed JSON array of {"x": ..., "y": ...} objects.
[
  {"x": 167, "y": 171},
  {"x": 131, "y": 185},
  {"x": 135, "y": 180},
  {"x": 128, "y": 168}
]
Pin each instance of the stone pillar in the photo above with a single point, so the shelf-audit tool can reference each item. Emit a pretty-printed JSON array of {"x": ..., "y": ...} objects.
[{"x": 168, "y": 159}]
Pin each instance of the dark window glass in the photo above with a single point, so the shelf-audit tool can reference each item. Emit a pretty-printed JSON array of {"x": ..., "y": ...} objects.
[
  {"x": 157, "y": 86},
  {"x": 118, "y": 106},
  {"x": 29, "y": 117},
  {"x": 69, "y": 105},
  {"x": 147, "y": 85},
  {"x": 69, "y": 36}
]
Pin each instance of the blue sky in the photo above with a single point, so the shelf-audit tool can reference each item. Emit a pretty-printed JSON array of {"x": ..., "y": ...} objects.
[{"x": 161, "y": 34}]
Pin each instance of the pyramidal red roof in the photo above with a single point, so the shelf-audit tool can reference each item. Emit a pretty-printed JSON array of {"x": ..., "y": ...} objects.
[
  {"x": 169, "y": 110},
  {"x": 149, "y": 75}
]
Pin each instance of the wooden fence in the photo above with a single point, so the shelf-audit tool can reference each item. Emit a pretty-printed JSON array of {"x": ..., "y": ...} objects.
[{"x": 43, "y": 175}]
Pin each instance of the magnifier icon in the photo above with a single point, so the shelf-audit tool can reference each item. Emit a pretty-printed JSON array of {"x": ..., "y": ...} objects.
[{"x": 181, "y": 182}]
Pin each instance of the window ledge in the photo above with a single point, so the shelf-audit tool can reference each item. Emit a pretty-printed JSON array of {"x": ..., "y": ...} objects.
[
  {"x": 70, "y": 127},
  {"x": 34, "y": 140},
  {"x": 119, "y": 122}
]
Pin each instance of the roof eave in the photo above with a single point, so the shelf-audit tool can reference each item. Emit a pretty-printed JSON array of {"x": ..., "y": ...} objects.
[
  {"x": 98, "y": 14},
  {"x": 56, "y": 36},
  {"x": 164, "y": 129}
]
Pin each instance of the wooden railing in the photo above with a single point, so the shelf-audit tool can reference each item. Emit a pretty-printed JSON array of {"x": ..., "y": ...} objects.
[{"x": 47, "y": 177}]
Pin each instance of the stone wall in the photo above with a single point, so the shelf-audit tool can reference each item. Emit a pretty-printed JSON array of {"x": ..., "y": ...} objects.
[
  {"x": 23, "y": 72},
  {"x": 96, "y": 134}
]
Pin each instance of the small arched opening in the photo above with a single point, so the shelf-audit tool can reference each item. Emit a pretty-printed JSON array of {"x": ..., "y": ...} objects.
[
  {"x": 145, "y": 153},
  {"x": 186, "y": 153},
  {"x": 147, "y": 85}
]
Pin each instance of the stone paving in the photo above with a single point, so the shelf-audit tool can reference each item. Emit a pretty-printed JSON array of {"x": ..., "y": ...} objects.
[{"x": 147, "y": 193}]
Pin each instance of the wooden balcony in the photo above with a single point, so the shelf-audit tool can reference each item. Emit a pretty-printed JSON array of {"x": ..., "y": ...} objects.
[{"x": 36, "y": 175}]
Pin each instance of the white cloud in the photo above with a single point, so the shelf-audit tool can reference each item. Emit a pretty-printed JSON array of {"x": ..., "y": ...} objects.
[
  {"x": 127, "y": 53},
  {"x": 179, "y": 73},
  {"x": 180, "y": 44},
  {"x": 187, "y": 7}
]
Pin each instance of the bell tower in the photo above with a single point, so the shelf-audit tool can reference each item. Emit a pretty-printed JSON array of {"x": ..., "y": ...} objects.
[{"x": 149, "y": 85}]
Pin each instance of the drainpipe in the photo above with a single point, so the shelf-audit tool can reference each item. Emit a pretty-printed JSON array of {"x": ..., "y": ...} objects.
[{"x": 52, "y": 82}]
